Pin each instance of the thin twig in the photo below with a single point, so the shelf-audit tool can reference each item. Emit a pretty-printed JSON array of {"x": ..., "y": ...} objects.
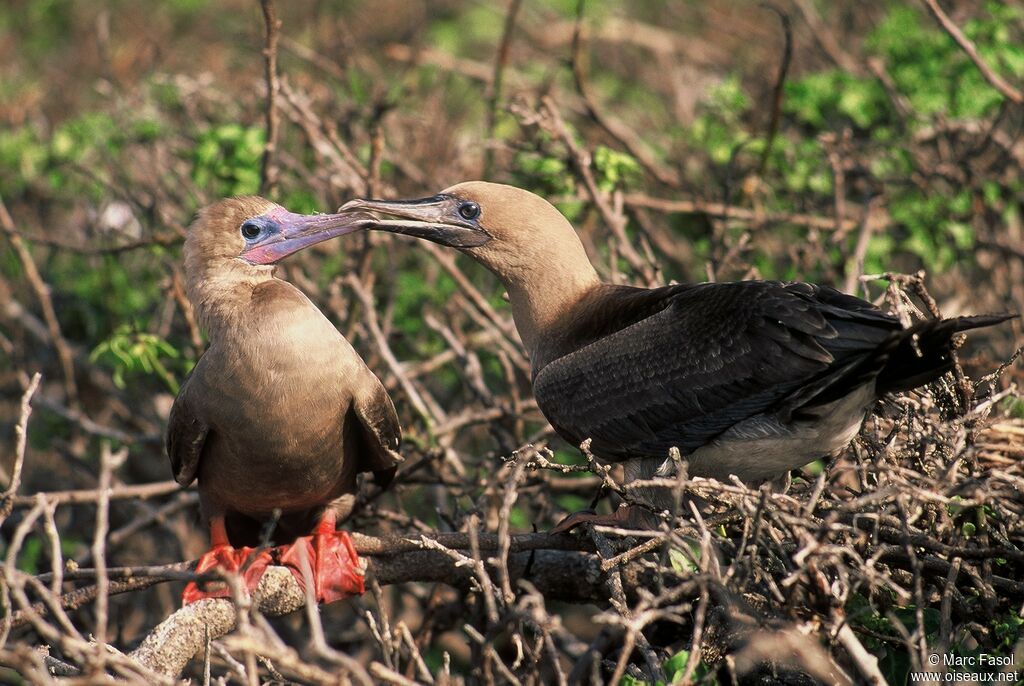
[
  {"x": 778, "y": 89},
  {"x": 21, "y": 441},
  {"x": 965, "y": 43},
  {"x": 494, "y": 88},
  {"x": 108, "y": 463},
  {"x": 725, "y": 211},
  {"x": 42, "y": 292},
  {"x": 616, "y": 129},
  {"x": 137, "y": 491},
  {"x": 427, "y": 414},
  {"x": 268, "y": 171}
]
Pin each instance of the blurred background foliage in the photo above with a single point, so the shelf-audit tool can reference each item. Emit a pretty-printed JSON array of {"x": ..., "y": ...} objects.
[{"x": 118, "y": 120}]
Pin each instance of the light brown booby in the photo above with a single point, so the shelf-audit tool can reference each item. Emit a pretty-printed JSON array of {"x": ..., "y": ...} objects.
[
  {"x": 280, "y": 414},
  {"x": 751, "y": 378}
]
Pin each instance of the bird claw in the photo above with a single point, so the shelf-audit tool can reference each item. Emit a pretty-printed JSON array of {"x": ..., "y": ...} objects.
[
  {"x": 626, "y": 516},
  {"x": 331, "y": 560},
  {"x": 571, "y": 521},
  {"x": 250, "y": 563}
]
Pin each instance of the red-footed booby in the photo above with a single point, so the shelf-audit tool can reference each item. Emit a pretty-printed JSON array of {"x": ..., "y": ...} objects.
[
  {"x": 280, "y": 414},
  {"x": 751, "y": 378}
]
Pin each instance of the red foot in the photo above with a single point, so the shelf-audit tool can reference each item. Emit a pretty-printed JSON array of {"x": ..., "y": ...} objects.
[
  {"x": 253, "y": 560},
  {"x": 332, "y": 562}
]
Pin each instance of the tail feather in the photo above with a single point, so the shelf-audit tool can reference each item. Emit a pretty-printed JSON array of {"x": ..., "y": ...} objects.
[
  {"x": 923, "y": 352},
  {"x": 978, "y": 321}
]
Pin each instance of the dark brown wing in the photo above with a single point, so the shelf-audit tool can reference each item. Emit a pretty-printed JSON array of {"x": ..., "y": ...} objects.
[
  {"x": 712, "y": 356},
  {"x": 186, "y": 436},
  {"x": 381, "y": 434}
]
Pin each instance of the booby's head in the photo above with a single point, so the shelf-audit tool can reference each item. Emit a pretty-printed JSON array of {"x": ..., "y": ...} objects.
[
  {"x": 512, "y": 232},
  {"x": 517, "y": 235},
  {"x": 232, "y": 247},
  {"x": 255, "y": 232}
]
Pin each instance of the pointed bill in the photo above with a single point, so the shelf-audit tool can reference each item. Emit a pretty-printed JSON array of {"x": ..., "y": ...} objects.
[{"x": 279, "y": 233}]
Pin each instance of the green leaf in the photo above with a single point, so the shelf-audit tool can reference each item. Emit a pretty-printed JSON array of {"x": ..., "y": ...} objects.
[
  {"x": 675, "y": 666},
  {"x": 132, "y": 351},
  {"x": 685, "y": 561}
]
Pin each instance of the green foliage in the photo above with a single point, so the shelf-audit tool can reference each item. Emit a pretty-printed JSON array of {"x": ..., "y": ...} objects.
[
  {"x": 685, "y": 561},
  {"x": 1014, "y": 406},
  {"x": 719, "y": 130},
  {"x": 226, "y": 159},
  {"x": 546, "y": 174},
  {"x": 67, "y": 154},
  {"x": 933, "y": 72},
  {"x": 518, "y": 518},
  {"x": 66, "y": 160},
  {"x": 614, "y": 169},
  {"x": 1009, "y": 630},
  {"x": 23, "y": 157},
  {"x": 130, "y": 351},
  {"x": 813, "y": 469},
  {"x": 675, "y": 669},
  {"x": 480, "y": 26},
  {"x": 833, "y": 98},
  {"x": 31, "y": 552},
  {"x": 933, "y": 75},
  {"x": 98, "y": 293},
  {"x": 894, "y": 661},
  {"x": 302, "y": 201},
  {"x": 413, "y": 292},
  {"x": 43, "y": 23},
  {"x": 934, "y": 229}
]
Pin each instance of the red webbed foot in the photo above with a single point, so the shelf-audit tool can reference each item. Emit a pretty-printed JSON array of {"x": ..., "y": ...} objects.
[
  {"x": 250, "y": 563},
  {"x": 331, "y": 560}
]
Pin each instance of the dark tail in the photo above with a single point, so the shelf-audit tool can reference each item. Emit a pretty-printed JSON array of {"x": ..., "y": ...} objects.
[{"x": 923, "y": 352}]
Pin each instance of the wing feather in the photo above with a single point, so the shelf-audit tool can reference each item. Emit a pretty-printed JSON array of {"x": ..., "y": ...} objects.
[
  {"x": 186, "y": 437},
  {"x": 381, "y": 431},
  {"x": 712, "y": 356}
]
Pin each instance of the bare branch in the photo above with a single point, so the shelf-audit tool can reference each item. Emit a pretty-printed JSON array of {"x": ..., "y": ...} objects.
[
  {"x": 268, "y": 172},
  {"x": 495, "y": 85},
  {"x": 965, "y": 43},
  {"x": 21, "y": 439}
]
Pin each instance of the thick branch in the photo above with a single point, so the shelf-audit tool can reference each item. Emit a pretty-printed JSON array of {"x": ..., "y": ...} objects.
[{"x": 557, "y": 574}]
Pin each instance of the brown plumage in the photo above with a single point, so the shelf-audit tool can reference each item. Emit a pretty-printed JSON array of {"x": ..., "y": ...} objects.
[
  {"x": 280, "y": 413},
  {"x": 749, "y": 378}
]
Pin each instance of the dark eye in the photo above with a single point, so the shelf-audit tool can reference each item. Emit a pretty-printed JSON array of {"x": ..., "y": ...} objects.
[
  {"x": 251, "y": 230},
  {"x": 469, "y": 210}
]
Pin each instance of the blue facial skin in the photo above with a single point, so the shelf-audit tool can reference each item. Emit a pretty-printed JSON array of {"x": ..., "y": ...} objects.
[
  {"x": 258, "y": 229},
  {"x": 278, "y": 233}
]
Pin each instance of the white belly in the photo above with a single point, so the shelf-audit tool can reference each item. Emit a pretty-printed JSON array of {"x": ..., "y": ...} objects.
[{"x": 761, "y": 449}]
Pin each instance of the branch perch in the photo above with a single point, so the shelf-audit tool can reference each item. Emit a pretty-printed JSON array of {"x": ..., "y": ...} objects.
[{"x": 557, "y": 574}]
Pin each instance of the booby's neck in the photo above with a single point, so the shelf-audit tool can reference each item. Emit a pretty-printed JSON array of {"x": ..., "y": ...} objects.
[
  {"x": 221, "y": 292},
  {"x": 544, "y": 298}
]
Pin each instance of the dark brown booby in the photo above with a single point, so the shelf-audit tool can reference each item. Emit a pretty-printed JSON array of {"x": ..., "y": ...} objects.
[
  {"x": 750, "y": 378},
  {"x": 280, "y": 414}
]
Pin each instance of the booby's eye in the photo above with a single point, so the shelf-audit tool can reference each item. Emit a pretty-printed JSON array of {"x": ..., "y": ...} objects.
[
  {"x": 469, "y": 210},
  {"x": 251, "y": 230}
]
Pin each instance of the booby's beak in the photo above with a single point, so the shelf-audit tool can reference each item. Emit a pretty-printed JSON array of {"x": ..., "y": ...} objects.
[
  {"x": 443, "y": 219},
  {"x": 278, "y": 233}
]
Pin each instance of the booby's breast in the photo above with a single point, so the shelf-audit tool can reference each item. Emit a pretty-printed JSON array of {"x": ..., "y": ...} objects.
[{"x": 277, "y": 407}]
